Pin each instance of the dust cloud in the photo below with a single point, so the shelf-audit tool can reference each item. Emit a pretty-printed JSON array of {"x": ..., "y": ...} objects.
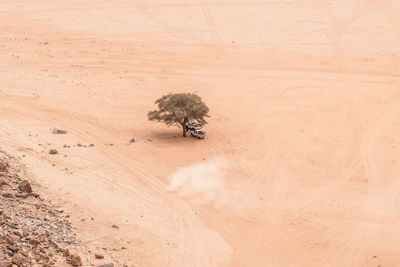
[{"x": 202, "y": 183}]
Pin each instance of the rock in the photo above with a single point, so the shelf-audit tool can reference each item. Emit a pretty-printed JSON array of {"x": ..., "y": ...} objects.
[
  {"x": 106, "y": 265},
  {"x": 131, "y": 141},
  {"x": 53, "y": 152},
  {"x": 3, "y": 183},
  {"x": 115, "y": 226},
  {"x": 66, "y": 253},
  {"x": 3, "y": 166},
  {"x": 7, "y": 195},
  {"x": 99, "y": 256},
  {"x": 59, "y": 209},
  {"x": 75, "y": 260},
  {"x": 17, "y": 233},
  {"x": 59, "y": 130},
  {"x": 12, "y": 248},
  {"x": 34, "y": 242},
  {"x": 19, "y": 260},
  {"x": 25, "y": 187},
  {"x": 79, "y": 144},
  {"x": 5, "y": 264}
]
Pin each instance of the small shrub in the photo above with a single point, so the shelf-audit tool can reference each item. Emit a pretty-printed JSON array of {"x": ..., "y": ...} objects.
[{"x": 53, "y": 151}]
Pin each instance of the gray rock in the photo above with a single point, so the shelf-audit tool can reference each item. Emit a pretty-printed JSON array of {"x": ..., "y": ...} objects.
[
  {"x": 131, "y": 141},
  {"x": 59, "y": 209},
  {"x": 106, "y": 265}
]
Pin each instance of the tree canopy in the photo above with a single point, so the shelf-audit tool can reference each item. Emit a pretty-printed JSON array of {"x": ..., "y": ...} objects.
[{"x": 179, "y": 109}]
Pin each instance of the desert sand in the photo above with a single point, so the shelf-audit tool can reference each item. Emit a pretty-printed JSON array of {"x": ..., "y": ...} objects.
[{"x": 300, "y": 166}]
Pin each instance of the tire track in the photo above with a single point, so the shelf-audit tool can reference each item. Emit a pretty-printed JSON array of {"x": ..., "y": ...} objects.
[
  {"x": 392, "y": 17},
  {"x": 143, "y": 9},
  {"x": 337, "y": 53},
  {"x": 376, "y": 199},
  {"x": 210, "y": 21},
  {"x": 264, "y": 171},
  {"x": 358, "y": 247},
  {"x": 340, "y": 27}
]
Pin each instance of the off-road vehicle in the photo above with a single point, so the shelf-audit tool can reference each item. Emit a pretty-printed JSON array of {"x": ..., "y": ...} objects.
[
  {"x": 192, "y": 126},
  {"x": 199, "y": 134}
]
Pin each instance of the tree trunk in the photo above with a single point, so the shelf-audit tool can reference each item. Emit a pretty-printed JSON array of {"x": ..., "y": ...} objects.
[{"x": 184, "y": 130}]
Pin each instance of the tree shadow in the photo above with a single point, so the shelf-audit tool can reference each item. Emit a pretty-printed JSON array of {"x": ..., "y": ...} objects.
[{"x": 167, "y": 135}]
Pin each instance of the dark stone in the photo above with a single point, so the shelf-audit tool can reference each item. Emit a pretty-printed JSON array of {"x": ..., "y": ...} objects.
[
  {"x": 25, "y": 187},
  {"x": 19, "y": 259},
  {"x": 12, "y": 248},
  {"x": 66, "y": 253},
  {"x": 131, "y": 141},
  {"x": 75, "y": 260},
  {"x": 99, "y": 256},
  {"x": 3, "y": 166}
]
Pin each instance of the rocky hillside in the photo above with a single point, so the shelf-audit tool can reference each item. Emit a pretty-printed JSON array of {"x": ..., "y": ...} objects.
[{"x": 33, "y": 232}]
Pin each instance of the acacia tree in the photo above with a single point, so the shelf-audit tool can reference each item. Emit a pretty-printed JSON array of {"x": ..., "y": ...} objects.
[{"x": 179, "y": 109}]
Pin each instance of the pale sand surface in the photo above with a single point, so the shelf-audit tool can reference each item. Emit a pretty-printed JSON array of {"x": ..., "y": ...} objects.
[{"x": 303, "y": 136}]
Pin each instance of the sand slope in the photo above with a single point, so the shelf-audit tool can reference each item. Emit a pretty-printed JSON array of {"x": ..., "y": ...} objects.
[{"x": 302, "y": 144}]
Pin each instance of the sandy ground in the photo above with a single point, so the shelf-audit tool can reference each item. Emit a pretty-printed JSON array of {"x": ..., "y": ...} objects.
[{"x": 301, "y": 162}]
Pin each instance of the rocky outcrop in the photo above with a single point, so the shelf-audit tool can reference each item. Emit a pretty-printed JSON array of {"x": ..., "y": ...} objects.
[{"x": 33, "y": 232}]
